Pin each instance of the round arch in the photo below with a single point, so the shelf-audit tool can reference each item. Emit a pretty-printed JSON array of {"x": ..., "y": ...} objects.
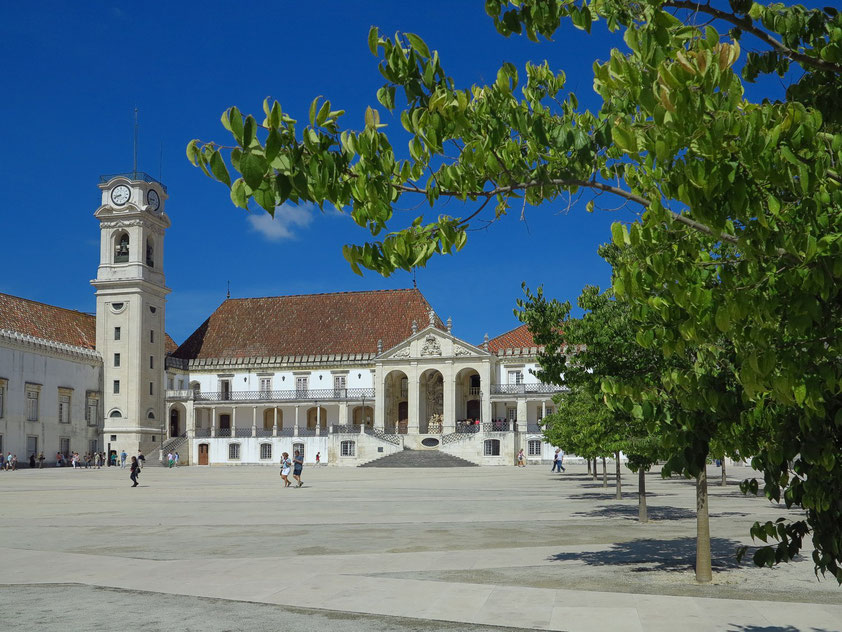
[
  {"x": 363, "y": 414},
  {"x": 431, "y": 401},
  {"x": 120, "y": 246},
  {"x": 468, "y": 386},
  {"x": 269, "y": 418},
  {"x": 317, "y": 413},
  {"x": 396, "y": 401}
]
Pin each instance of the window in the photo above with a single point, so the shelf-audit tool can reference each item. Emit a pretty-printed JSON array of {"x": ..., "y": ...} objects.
[
  {"x": 116, "y": 387},
  {"x": 152, "y": 335},
  {"x": 116, "y": 333},
  {"x": 64, "y": 409},
  {"x": 2, "y": 398},
  {"x": 151, "y": 362},
  {"x": 339, "y": 382},
  {"x": 150, "y": 415},
  {"x": 93, "y": 446},
  {"x": 115, "y": 414},
  {"x": 301, "y": 383},
  {"x": 32, "y": 404},
  {"x": 121, "y": 249},
  {"x": 116, "y": 359},
  {"x": 151, "y": 388},
  {"x": 170, "y": 383},
  {"x": 225, "y": 389},
  {"x": 491, "y": 447},
  {"x": 515, "y": 377},
  {"x": 64, "y": 446},
  {"x": 233, "y": 451},
  {"x": 347, "y": 448},
  {"x": 265, "y": 451},
  {"x": 113, "y": 438},
  {"x": 92, "y": 411},
  {"x": 404, "y": 387},
  {"x": 533, "y": 448},
  {"x": 150, "y": 253},
  {"x": 298, "y": 447},
  {"x": 32, "y": 445},
  {"x": 511, "y": 414},
  {"x": 265, "y": 385}
]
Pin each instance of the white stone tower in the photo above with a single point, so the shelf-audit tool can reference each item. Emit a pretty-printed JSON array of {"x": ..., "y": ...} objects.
[{"x": 130, "y": 307}]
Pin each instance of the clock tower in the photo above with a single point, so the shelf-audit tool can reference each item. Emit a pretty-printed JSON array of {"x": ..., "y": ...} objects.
[{"x": 130, "y": 307}]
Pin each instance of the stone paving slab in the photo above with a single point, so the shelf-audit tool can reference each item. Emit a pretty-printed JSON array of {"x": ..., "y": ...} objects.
[{"x": 234, "y": 534}]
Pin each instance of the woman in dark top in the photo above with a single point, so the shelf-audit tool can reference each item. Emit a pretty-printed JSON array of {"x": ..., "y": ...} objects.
[{"x": 135, "y": 471}]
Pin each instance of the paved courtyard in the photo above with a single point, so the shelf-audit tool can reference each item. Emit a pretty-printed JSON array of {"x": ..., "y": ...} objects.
[{"x": 488, "y": 548}]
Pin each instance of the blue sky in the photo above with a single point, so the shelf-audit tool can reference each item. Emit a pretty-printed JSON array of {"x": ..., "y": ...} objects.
[{"x": 74, "y": 72}]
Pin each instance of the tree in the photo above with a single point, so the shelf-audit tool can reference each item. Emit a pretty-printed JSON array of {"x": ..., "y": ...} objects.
[{"x": 675, "y": 136}]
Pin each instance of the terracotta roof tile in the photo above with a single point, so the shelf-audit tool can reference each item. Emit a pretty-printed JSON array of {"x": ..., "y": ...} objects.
[
  {"x": 47, "y": 321},
  {"x": 53, "y": 323},
  {"x": 517, "y": 338},
  {"x": 308, "y": 324}
]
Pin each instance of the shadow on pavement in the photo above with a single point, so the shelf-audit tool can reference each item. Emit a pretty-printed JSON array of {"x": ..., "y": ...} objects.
[
  {"x": 630, "y": 512},
  {"x": 661, "y": 555},
  {"x": 771, "y": 628}
]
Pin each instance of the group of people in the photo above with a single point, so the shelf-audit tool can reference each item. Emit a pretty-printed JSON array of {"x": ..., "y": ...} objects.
[
  {"x": 9, "y": 463},
  {"x": 172, "y": 459},
  {"x": 296, "y": 464},
  {"x": 558, "y": 457}
]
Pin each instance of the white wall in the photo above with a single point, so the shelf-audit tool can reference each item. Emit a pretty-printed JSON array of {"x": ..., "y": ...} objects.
[{"x": 19, "y": 366}]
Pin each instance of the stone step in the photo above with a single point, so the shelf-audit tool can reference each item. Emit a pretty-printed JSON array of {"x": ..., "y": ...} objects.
[{"x": 419, "y": 458}]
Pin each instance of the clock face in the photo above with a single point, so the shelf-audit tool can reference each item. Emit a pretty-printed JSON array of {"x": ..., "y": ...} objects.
[
  {"x": 120, "y": 194},
  {"x": 153, "y": 200}
]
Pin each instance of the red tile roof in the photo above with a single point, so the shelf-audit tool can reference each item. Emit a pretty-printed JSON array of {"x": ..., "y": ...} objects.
[
  {"x": 47, "y": 321},
  {"x": 517, "y": 338},
  {"x": 53, "y": 323},
  {"x": 308, "y": 324}
]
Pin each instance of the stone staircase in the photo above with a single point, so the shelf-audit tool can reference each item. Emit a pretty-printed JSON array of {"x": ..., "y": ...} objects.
[
  {"x": 175, "y": 444},
  {"x": 419, "y": 458}
]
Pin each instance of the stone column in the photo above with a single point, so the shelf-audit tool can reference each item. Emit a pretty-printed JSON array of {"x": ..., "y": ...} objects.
[
  {"x": 275, "y": 422},
  {"x": 449, "y": 408},
  {"x": 191, "y": 420},
  {"x": 413, "y": 398},
  {"x": 379, "y": 376},
  {"x": 318, "y": 419},
  {"x": 343, "y": 413},
  {"x": 543, "y": 408},
  {"x": 254, "y": 421},
  {"x": 522, "y": 415},
  {"x": 213, "y": 421},
  {"x": 167, "y": 422},
  {"x": 295, "y": 429},
  {"x": 233, "y": 421}
]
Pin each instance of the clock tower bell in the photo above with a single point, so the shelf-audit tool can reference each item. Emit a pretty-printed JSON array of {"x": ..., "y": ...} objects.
[{"x": 130, "y": 307}]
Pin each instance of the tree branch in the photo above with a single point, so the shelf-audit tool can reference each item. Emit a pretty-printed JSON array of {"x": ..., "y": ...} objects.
[{"x": 747, "y": 25}]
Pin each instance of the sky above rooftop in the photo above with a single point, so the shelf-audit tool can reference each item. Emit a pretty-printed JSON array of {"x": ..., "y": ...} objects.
[{"x": 74, "y": 72}]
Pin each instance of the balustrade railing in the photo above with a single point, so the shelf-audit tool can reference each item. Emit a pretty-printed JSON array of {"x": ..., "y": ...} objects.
[
  {"x": 525, "y": 389},
  {"x": 223, "y": 432},
  {"x": 384, "y": 436},
  {"x": 498, "y": 425},
  {"x": 346, "y": 429},
  {"x": 202, "y": 432},
  {"x": 264, "y": 432},
  {"x": 242, "y": 432},
  {"x": 467, "y": 427},
  {"x": 321, "y": 395}
]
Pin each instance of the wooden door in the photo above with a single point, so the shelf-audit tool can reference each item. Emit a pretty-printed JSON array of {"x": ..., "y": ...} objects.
[{"x": 203, "y": 454}]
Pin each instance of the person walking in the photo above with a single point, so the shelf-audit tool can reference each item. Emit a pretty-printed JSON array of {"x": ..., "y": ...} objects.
[
  {"x": 521, "y": 460},
  {"x": 169, "y": 460},
  {"x": 135, "y": 470},
  {"x": 123, "y": 457},
  {"x": 14, "y": 462},
  {"x": 555, "y": 461},
  {"x": 32, "y": 461},
  {"x": 175, "y": 459},
  {"x": 297, "y": 466},
  {"x": 141, "y": 459},
  {"x": 41, "y": 461},
  {"x": 561, "y": 460},
  {"x": 318, "y": 458},
  {"x": 285, "y": 466}
]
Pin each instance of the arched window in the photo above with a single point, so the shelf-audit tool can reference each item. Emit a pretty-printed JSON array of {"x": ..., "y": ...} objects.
[
  {"x": 491, "y": 447},
  {"x": 150, "y": 252},
  {"x": 115, "y": 414},
  {"x": 150, "y": 415},
  {"x": 121, "y": 248}
]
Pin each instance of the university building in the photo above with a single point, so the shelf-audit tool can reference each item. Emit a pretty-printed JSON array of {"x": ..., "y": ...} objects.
[{"x": 349, "y": 376}]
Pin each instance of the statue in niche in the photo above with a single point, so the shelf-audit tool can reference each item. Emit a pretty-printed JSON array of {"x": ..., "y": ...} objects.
[{"x": 431, "y": 347}]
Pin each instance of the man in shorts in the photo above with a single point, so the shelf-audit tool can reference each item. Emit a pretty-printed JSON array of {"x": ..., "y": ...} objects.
[{"x": 297, "y": 465}]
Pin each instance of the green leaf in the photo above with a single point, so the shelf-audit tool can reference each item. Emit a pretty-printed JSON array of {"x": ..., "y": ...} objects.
[
  {"x": 723, "y": 319},
  {"x": 249, "y": 131},
  {"x": 273, "y": 145},
  {"x": 253, "y": 166},
  {"x": 372, "y": 118},
  {"x": 624, "y": 138},
  {"x": 265, "y": 196},
  {"x": 321, "y": 117},
  {"x": 800, "y": 393},
  {"x": 373, "y": 38},
  {"x": 235, "y": 120},
  {"x": 418, "y": 44},
  {"x": 618, "y": 234},
  {"x": 218, "y": 168},
  {"x": 238, "y": 193}
]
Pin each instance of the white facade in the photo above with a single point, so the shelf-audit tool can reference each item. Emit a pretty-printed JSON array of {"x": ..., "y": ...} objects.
[{"x": 50, "y": 398}]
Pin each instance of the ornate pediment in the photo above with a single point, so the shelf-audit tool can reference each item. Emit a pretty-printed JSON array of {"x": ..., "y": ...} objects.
[{"x": 432, "y": 343}]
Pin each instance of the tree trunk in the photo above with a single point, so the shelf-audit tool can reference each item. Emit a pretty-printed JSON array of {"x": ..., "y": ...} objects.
[
  {"x": 703, "y": 565},
  {"x": 594, "y": 468},
  {"x": 724, "y": 477},
  {"x": 619, "y": 480},
  {"x": 643, "y": 515},
  {"x": 589, "y": 465},
  {"x": 604, "y": 474}
]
